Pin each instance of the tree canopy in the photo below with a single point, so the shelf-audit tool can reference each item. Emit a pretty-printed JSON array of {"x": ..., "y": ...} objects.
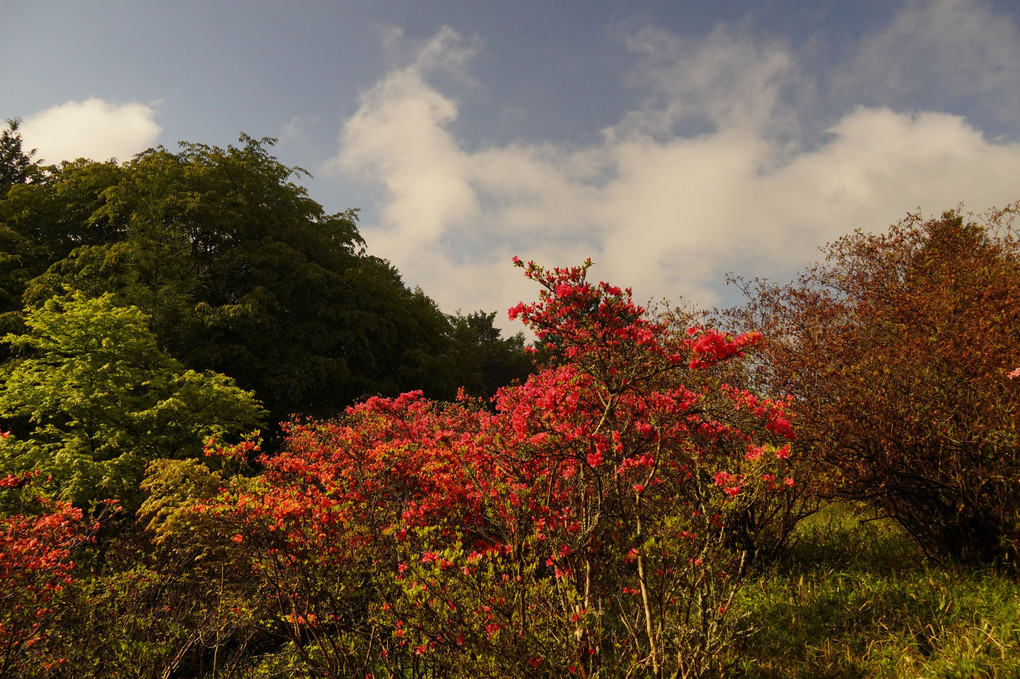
[
  {"x": 240, "y": 272},
  {"x": 16, "y": 164},
  {"x": 897, "y": 349},
  {"x": 593, "y": 513},
  {"x": 92, "y": 399}
]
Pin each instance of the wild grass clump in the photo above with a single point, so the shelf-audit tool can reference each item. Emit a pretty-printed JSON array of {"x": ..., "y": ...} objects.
[{"x": 856, "y": 598}]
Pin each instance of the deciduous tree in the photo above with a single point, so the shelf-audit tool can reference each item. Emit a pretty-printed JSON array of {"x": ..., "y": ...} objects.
[
  {"x": 16, "y": 164},
  {"x": 239, "y": 272},
  {"x": 95, "y": 398},
  {"x": 896, "y": 349}
]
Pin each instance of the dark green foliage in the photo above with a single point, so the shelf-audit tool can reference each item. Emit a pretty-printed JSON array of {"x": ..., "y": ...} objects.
[
  {"x": 487, "y": 359},
  {"x": 16, "y": 164},
  {"x": 242, "y": 273},
  {"x": 238, "y": 269},
  {"x": 43, "y": 221}
]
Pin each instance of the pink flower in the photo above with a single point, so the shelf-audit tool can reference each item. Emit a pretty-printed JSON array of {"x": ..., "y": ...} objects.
[
  {"x": 1014, "y": 374},
  {"x": 722, "y": 478}
]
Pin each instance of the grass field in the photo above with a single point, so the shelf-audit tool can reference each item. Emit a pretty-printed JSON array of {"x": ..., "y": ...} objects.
[{"x": 855, "y": 598}]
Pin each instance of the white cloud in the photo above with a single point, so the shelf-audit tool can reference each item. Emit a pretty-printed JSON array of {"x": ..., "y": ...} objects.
[
  {"x": 92, "y": 129},
  {"x": 659, "y": 209},
  {"x": 398, "y": 138}
]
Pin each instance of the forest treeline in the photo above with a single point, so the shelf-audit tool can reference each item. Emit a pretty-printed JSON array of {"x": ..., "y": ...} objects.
[
  {"x": 238, "y": 272},
  {"x": 235, "y": 444}
]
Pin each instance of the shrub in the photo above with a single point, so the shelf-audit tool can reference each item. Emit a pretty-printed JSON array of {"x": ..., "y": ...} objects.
[
  {"x": 896, "y": 350},
  {"x": 35, "y": 566},
  {"x": 579, "y": 528}
]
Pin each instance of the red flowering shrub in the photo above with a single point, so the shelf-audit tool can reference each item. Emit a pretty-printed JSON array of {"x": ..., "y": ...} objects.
[
  {"x": 580, "y": 528},
  {"x": 35, "y": 565}
]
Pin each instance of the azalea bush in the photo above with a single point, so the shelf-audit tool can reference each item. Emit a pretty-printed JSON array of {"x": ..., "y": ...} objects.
[
  {"x": 583, "y": 525},
  {"x": 35, "y": 567},
  {"x": 898, "y": 349},
  {"x": 121, "y": 595}
]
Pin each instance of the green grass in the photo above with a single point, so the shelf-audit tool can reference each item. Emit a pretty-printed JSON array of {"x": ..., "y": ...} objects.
[{"x": 856, "y": 599}]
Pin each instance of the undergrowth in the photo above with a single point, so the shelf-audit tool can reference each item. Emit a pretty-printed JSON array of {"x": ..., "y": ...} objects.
[{"x": 855, "y": 598}]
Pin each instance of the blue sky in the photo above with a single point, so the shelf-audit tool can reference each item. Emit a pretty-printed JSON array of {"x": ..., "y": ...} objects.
[{"x": 670, "y": 141}]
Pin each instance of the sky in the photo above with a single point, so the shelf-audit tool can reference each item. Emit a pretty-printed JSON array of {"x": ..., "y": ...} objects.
[{"x": 672, "y": 142}]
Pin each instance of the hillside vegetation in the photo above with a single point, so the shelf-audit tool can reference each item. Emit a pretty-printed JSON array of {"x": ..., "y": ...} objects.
[{"x": 235, "y": 444}]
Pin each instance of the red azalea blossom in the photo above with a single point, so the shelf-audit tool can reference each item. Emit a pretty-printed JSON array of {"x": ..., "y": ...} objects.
[{"x": 463, "y": 514}]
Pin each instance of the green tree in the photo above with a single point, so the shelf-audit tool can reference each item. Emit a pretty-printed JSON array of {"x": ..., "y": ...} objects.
[
  {"x": 488, "y": 360},
  {"x": 43, "y": 221},
  {"x": 242, "y": 273},
  {"x": 16, "y": 164},
  {"x": 94, "y": 399},
  {"x": 238, "y": 270}
]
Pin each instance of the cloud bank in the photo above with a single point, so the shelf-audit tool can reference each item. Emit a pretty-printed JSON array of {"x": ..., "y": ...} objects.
[
  {"x": 723, "y": 165},
  {"x": 92, "y": 129}
]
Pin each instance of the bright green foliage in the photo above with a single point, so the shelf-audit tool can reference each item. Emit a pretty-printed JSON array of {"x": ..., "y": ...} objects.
[
  {"x": 158, "y": 604},
  {"x": 101, "y": 399}
]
